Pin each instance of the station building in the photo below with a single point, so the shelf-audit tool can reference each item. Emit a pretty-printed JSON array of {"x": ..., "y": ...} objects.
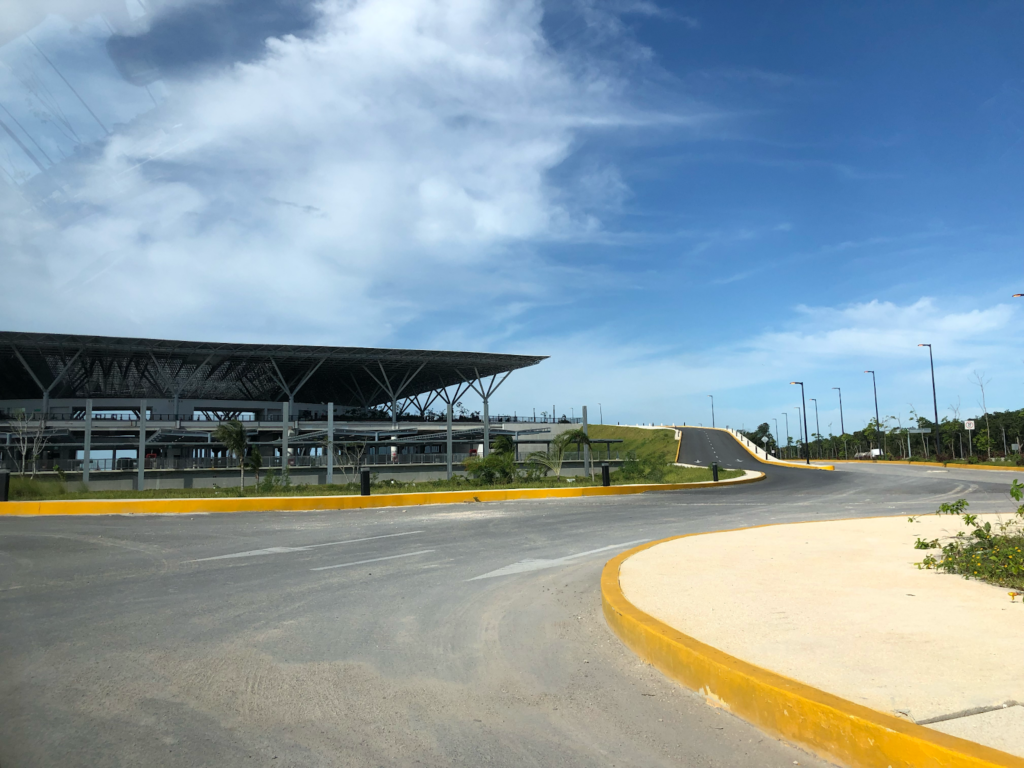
[{"x": 128, "y": 413}]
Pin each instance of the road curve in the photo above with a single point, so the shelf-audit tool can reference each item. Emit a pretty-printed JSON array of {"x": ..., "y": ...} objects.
[{"x": 458, "y": 635}]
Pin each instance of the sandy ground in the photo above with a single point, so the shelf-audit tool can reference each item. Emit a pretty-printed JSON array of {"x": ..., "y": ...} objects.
[{"x": 841, "y": 606}]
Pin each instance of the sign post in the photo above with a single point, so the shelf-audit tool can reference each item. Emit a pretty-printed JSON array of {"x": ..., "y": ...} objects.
[{"x": 969, "y": 426}]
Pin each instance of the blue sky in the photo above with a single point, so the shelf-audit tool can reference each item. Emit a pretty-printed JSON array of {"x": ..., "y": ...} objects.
[{"x": 672, "y": 200}]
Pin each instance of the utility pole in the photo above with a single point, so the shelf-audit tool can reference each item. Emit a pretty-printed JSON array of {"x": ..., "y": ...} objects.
[
  {"x": 874, "y": 386},
  {"x": 786, "y": 417},
  {"x": 935, "y": 400},
  {"x": 712, "y": 411},
  {"x": 842, "y": 426},
  {"x": 807, "y": 449},
  {"x": 817, "y": 425}
]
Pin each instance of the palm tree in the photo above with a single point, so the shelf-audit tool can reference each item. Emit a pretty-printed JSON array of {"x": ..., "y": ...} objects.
[
  {"x": 255, "y": 463},
  {"x": 552, "y": 458},
  {"x": 232, "y": 435}
]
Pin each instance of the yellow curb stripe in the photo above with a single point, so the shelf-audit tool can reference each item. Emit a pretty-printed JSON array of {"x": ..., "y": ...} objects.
[
  {"x": 311, "y": 503},
  {"x": 832, "y": 727},
  {"x": 904, "y": 462}
]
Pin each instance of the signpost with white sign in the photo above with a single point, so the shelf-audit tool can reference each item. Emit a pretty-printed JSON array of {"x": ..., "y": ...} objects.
[{"x": 969, "y": 425}]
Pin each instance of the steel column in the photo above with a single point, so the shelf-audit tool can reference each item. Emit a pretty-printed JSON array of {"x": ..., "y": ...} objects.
[
  {"x": 330, "y": 443},
  {"x": 284, "y": 436},
  {"x": 86, "y": 460},
  {"x": 449, "y": 439},
  {"x": 142, "y": 447},
  {"x": 586, "y": 447}
]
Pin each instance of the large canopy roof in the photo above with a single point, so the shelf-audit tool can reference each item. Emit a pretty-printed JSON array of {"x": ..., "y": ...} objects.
[{"x": 71, "y": 366}]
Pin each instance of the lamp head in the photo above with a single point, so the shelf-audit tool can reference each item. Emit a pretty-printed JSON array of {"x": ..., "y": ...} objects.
[
  {"x": 796, "y": 382},
  {"x": 924, "y": 345},
  {"x": 1018, "y": 295}
]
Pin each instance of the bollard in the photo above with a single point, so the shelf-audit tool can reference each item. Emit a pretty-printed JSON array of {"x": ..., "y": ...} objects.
[
  {"x": 5, "y": 485},
  {"x": 714, "y": 470},
  {"x": 364, "y": 482},
  {"x": 606, "y": 475}
]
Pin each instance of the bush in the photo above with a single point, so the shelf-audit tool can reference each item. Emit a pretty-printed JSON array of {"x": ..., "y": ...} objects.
[
  {"x": 499, "y": 467},
  {"x": 995, "y": 555}
]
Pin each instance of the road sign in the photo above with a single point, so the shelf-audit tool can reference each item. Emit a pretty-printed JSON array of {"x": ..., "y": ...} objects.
[
  {"x": 969, "y": 425},
  {"x": 919, "y": 431},
  {"x": 764, "y": 439}
]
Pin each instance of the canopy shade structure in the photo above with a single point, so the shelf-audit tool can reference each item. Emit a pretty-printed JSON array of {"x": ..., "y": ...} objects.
[{"x": 65, "y": 366}]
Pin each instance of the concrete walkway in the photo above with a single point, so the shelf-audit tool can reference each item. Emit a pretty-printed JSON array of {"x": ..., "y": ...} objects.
[{"x": 841, "y": 607}]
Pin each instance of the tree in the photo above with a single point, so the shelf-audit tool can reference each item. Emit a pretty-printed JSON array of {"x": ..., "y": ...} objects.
[
  {"x": 29, "y": 438},
  {"x": 255, "y": 463},
  {"x": 232, "y": 435},
  {"x": 551, "y": 459}
]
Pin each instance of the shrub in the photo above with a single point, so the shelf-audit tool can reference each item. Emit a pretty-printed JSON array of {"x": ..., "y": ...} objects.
[
  {"x": 992, "y": 554},
  {"x": 497, "y": 467}
]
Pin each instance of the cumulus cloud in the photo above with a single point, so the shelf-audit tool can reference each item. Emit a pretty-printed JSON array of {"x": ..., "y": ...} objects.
[
  {"x": 331, "y": 189},
  {"x": 824, "y": 347}
]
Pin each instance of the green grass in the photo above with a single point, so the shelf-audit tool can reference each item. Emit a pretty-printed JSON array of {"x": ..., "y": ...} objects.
[{"x": 645, "y": 443}]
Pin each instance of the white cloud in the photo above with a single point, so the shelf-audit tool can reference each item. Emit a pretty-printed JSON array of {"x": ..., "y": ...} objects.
[
  {"x": 331, "y": 190},
  {"x": 824, "y": 347}
]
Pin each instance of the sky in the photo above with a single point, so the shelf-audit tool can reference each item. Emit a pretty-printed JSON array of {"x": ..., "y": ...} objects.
[{"x": 670, "y": 200}]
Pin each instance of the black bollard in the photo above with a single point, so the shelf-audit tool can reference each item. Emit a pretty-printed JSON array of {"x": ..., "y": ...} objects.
[
  {"x": 606, "y": 475},
  {"x": 364, "y": 482},
  {"x": 714, "y": 470},
  {"x": 5, "y": 485}
]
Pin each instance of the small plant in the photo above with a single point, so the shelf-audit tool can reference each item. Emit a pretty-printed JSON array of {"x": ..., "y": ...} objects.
[{"x": 992, "y": 554}]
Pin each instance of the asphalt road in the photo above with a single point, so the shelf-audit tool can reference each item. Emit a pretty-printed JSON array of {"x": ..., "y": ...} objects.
[{"x": 458, "y": 635}]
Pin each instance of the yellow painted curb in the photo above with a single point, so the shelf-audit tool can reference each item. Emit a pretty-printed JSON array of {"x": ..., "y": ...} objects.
[
  {"x": 779, "y": 463},
  {"x": 833, "y": 728},
  {"x": 947, "y": 465},
  {"x": 311, "y": 503}
]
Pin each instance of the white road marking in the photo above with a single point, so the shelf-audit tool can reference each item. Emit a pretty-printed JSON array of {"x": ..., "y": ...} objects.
[
  {"x": 372, "y": 560},
  {"x": 280, "y": 550},
  {"x": 524, "y": 566}
]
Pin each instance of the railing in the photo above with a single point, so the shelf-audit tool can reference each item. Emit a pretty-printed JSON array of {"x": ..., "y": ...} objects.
[
  {"x": 181, "y": 464},
  {"x": 191, "y": 418}
]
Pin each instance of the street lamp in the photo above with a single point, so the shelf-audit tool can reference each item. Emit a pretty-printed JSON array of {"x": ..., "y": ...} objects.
[
  {"x": 776, "y": 433},
  {"x": 600, "y": 411},
  {"x": 712, "y": 411},
  {"x": 786, "y": 416},
  {"x": 842, "y": 427},
  {"x": 807, "y": 450},
  {"x": 935, "y": 400},
  {"x": 874, "y": 386},
  {"x": 817, "y": 425}
]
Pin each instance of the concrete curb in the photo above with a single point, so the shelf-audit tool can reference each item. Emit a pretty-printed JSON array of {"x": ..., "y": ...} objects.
[
  {"x": 831, "y": 727},
  {"x": 314, "y": 503},
  {"x": 948, "y": 465}
]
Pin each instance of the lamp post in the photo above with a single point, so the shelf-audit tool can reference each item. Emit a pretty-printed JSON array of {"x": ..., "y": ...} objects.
[
  {"x": 935, "y": 400},
  {"x": 786, "y": 417},
  {"x": 776, "y": 433},
  {"x": 874, "y": 386},
  {"x": 842, "y": 427},
  {"x": 807, "y": 450},
  {"x": 817, "y": 425},
  {"x": 600, "y": 412},
  {"x": 712, "y": 411}
]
